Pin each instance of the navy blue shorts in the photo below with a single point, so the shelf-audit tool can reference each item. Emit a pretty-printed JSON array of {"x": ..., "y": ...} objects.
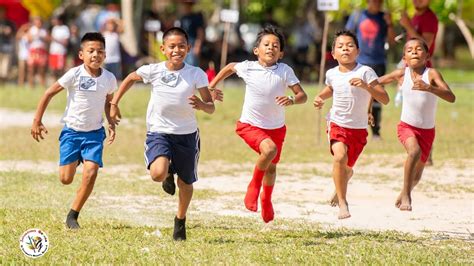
[
  {"x": 181, "y": 150},
  {"x": 79, "y": 146}
]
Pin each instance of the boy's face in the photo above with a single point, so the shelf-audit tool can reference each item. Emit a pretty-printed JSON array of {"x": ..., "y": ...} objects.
[
  {"x": 345, "y": 50},
  {"x": 268, "y": 50},
  {"x": 92, "y": 53},
  {"x": 175, "y": 48},
  {"x": 415, "y": 54}
]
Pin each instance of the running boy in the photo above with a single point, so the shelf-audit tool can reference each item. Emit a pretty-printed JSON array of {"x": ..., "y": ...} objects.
[
  {"x": 172, "y": 142},
  {"x": 351, "y": 85},
  {"x": 421, "y": 87},
  {"x": 89, "y": 90},
  {"x": 262, "y": 123}
]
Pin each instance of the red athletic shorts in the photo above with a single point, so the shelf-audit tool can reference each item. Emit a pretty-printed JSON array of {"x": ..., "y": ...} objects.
[
  {"x": 38, "y": 57},
  {"x": 424, "y": 137},
  {"x": 254, "y": 135},
  {"x": 57, "y": 61},
  {"x": 355, "y": 140}
]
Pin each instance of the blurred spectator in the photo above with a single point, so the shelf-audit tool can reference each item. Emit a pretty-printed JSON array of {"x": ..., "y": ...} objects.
[
  {"x": 304, "y": 38},
  {"x": 7, "y": 40},
  {"x": 211, "y": 71},
  {"x": 74, "y": 45},
  {"x": 23, "y": 52},
  {"x": 86, "y": 19},
  {"x": 111, "y": 11},
  {"x": 58, "y": 48},
  {"x": 38, "y": 56},
  {"x": 113, "y": 61},
  {"x": 193, "y": 24}
]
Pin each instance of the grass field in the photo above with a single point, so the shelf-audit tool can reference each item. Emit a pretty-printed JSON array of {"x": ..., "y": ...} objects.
[{"x": 112, "y": 235}]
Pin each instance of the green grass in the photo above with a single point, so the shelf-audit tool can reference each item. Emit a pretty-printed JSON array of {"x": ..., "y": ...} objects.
[
  {"x": 114, "y": 234},
  {"x": 305, "y": 141}
]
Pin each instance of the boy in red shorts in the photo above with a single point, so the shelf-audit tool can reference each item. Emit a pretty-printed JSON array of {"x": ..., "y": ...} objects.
[
  {"x": 421, "y": 87},
  {"x": 262, "y": 123},
  {"x": 351, "y": 85}
]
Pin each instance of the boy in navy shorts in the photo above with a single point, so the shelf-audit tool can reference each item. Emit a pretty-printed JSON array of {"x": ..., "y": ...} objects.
[
  {"x": 172, "y": 144},
  {"x": 90, "y": 89}
]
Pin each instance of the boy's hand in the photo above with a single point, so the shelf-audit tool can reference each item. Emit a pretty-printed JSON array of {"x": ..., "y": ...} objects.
[
  {"x": 196, "y": 103},
  {"x": 318, "y": 102},
  {"x": 284, "y": 100},
  {"x": 419, "y": 84},
  {"x": 111, "y": 130},
  {"x": 216, "y": 94},
  {"x": 357, "y": 82},
  {"x": 115, "y": 114},
  {"x": 371, "y": 120},
  {"x": 37, "y": 130},
  {"x": 405, "y": 20}
]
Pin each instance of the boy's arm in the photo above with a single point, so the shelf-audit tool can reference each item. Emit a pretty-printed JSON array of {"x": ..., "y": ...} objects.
[
  {"x": 206, "y": 104},
  {"x": 437, "y": 86},
  {"x": 111, "y": 127},
  {"x": 391, "y": 77},
  {"x": 326, "y": 93},
  {"x": 37, "y": 127},
  {"x": 374, "y": 88},
  {"x": 124, "y": 87},
  {"x": 300, "y": 96}
]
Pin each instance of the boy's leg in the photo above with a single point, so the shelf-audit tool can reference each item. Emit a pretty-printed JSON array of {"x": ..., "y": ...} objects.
[
  {"x": 159, "y": 168},
  {"x": 334, "y": 201},
  {"x": 413, "y": 156},
  {"x": 67, "y": 172},
  {"x": 89, "y": 175},
  {"x": 266, "y": 195},
  {"x": 268, "y": 151},
  {"x": 185, "y": 196},
  {"x": 339, "y": 175}
]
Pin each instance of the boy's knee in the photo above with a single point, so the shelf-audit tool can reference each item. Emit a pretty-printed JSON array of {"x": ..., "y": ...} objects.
[
  {"x": 269, "y": 150},
  {"x": 158, "y": 176},
  {"x": 65, "y": 178},
  {"x": 89, "y": 176},
  {"x": 414, "y": 153},
  {"x": 183, "y": 186},
  {"x": 340, "y": 158}
]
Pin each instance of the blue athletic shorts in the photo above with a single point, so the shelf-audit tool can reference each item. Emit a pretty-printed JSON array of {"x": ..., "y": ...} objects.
[
  {"x": 181, "y": 150},
  {"x": 79, "y": 146}
]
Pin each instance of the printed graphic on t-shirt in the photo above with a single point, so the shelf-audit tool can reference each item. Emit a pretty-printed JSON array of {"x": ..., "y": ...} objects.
[
  {"x": 87, "y": 84},
  {"x": 169, "y": 79}
]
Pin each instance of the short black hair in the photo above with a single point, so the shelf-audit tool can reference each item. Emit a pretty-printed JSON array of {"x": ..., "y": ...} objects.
[
  {"x": 271, "y": 30},
  {"x": 423, "y": 43},
  {"x": 175, "y": 31},
  {"x": 93, "y": 36},
  {"x": 345, "y": 33}
]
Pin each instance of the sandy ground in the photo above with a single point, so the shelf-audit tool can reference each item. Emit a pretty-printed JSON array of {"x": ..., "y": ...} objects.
[{"x": 443, "y": 203}]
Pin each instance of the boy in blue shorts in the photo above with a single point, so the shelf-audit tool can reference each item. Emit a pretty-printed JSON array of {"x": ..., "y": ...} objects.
[
  {"x": 172, "y": 144},
  {"x": 90, "y": 89}
]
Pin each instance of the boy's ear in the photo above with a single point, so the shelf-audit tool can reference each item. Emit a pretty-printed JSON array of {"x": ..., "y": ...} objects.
[
  {"x": 332, "y": 53},
  {"x": 162, "y": 48},
  {"x": 81, "y": 55},
  {"x": 281, "y": 55},
  {"x": 255, "y": 51}
]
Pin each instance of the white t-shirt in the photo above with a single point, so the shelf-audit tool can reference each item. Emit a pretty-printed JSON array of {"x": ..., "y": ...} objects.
[
  {"x": 169, "y": 110},
  {"x": 38, "y": 36},
  {"x": 59, "y": 32},
  {"x": 263, "y": 85},
  {"x": 419, "y": 107},
  {"x": 350, "y": 104},
  {"x": 112, "y": 47},
  {"x": 86, "y": 97}
]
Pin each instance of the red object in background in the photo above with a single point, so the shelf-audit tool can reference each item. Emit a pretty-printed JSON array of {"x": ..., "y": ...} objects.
[
  {"x": 15, "y": 12},
  {"x": 211, "y": 74}
]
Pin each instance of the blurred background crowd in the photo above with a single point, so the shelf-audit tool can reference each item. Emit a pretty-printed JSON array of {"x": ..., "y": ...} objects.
[{"x": 40, "y": 39}]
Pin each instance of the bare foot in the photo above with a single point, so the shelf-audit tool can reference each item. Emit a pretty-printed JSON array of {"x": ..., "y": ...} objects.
[
  {"x": 343, "y": 211},
  {"x": 398, "y": 202},
  {"x": 334, "y": 201},
  {"x": 405, "y": 203}
]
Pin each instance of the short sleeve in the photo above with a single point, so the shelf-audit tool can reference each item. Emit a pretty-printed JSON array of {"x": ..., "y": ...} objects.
[
  {"x": 328, "y": 78},
  {"x": 201, "y": 79},
  {"x": 291, "y": 78},
  {"x": 241, "y": 69},
  {"x": 370, "y": 75},
  {"x": 113, "y": 85},
  {"x": 67, "y": 80},
  {"x": 145, "y": 73}
]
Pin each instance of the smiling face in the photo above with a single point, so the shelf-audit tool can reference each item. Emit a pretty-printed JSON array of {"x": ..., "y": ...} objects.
[
  {"x": 415, "y": 54},
  {"x": 268, "y": 50},
  {"x": 93, "y": 54},
  {"x": 175, "y": 48},
  {"x": 345, "y": 50}
]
